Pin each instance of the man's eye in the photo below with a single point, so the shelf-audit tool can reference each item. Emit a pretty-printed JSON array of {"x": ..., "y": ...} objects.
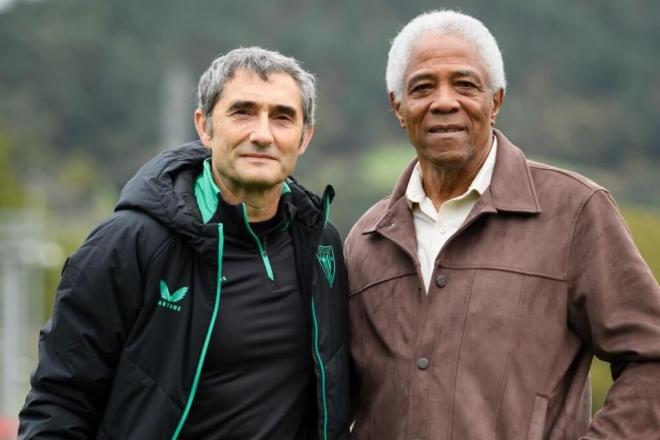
[
  {"x": 466, "y": 84},
  {"x": 420, "y": 87},
  {"x": 241, "y": 112},
  {"x": 283, "y": 117}
]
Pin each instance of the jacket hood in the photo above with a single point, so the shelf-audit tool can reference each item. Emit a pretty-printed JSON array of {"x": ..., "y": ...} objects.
[{"x": 163, "y": 189}]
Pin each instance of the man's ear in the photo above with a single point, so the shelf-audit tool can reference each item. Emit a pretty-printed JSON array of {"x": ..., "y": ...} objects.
[
  {"x": 396, "y": 106},
  {"x": 308, "y": 132},
  {"x": 203, "y": 127},
  {"x": 498, "y": 99}
]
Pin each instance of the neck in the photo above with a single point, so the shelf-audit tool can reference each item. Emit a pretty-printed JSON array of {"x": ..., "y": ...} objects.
[
  {"x": 261, "y": 203},
  {"x": 444, "y": 183}
]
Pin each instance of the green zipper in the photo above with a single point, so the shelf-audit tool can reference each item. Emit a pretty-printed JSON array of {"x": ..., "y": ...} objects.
[
  {"x": 322, "y": 368},
  {"x": 262, "y": 251},
  {"x": 207, "y": 340},
  {"x": 326, "y": 213},
  {"x": 324, "y": 399}
]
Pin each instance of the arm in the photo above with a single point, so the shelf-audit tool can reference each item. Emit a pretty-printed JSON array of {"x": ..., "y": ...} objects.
[
  {"x": 96, "y": 303},
  {"x": 615, "y": 308}
]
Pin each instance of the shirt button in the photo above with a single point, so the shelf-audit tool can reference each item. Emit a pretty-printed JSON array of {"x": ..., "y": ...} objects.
[
  {"x": 423, "y": 363},
  {"x": 441, "y": 281},
  {"x": 443, "y": 230}
]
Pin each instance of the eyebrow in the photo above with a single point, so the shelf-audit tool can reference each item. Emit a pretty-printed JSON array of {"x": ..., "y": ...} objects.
[
  {"x": 237, "y": 105},
  {"x": 285, "y": 109},
  {"x": 467, "y": 72},
  {"x": 419, "y": 77},
  {"x": 427, "y": 75},
  {"x": 279, "y": 108}
]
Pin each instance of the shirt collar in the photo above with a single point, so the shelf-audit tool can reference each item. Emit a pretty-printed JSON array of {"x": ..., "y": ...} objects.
[
  {"x": 485, "y": 174},
  {"x": 415, "y": 191}
]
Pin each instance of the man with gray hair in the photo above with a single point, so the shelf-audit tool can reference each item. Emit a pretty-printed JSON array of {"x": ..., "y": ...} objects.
[
  {"x": 212, "y": 304},
  {"x": 480, "y": 290}
]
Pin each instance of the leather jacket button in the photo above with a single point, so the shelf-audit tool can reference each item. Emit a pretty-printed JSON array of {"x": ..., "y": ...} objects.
[
  {"x": 441, "y": 281},
  {"x": 423, "y": 363}
]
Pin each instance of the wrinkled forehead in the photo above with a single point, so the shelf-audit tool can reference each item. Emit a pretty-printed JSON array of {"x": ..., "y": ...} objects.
[{"x": 272, "y": 89}]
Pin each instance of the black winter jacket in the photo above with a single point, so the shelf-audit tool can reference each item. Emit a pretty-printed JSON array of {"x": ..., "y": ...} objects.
[{"x": 118, "y": 360}]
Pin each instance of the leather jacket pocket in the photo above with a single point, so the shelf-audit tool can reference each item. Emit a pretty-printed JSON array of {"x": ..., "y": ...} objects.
[{"x": 537, "y": 424}]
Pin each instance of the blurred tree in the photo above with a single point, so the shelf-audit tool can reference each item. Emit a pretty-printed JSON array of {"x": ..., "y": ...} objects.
[
  {"x": 11, "y": 192},
  {"x": 85, "y": 77}
]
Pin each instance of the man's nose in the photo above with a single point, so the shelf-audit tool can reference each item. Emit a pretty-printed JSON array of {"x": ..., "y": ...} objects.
[
  {"x": 444, "y": 101},
  {"x": 261, "y": 134}
]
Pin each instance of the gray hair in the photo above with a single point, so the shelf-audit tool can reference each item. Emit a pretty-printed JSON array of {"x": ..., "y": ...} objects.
[
  {"x": 262, "y": 62},
  {"x": 443, "y": 22}
]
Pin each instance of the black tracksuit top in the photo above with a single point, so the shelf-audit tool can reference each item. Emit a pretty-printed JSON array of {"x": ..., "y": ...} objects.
[
  {"x": 257, "y": 380},
  {"x": 122, "y": 356}
]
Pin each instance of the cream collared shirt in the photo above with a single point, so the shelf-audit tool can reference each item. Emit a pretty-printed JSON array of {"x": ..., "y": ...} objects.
[{"x": 434, "y": 227}]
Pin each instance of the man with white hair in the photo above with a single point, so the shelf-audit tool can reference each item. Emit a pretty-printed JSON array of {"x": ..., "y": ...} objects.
[
  {"x": 480, "y": 290},
  {"x": 212, "y": 304}
]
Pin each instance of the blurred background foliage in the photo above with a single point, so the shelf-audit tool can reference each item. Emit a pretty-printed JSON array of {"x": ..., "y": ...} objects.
[{"x": 90, "y": 90}]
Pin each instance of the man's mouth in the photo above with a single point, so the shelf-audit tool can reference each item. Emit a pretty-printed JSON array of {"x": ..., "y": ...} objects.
[
  {"x": 446, "y": 129},
  {"x": 258, "y": 156}
]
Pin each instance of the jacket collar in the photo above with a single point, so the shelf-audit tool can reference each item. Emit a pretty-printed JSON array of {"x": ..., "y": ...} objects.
[{"x": 511, "y": 190}]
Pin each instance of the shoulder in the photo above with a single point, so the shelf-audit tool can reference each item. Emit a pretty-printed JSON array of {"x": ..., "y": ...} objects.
[
  {"x": 356, "y": 246},
  {"x": 125, "y": 235},
  {"x": 134, "y": 225},
  {"x": 569, "y": 180},
  {"x": 561, "y": 189},
  {"x": 369, "y": 219},
  {"x": 551, "y": 186}
]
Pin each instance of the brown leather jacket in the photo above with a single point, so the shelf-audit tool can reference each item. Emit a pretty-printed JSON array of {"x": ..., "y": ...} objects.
[{"x": 542, "y": 275}]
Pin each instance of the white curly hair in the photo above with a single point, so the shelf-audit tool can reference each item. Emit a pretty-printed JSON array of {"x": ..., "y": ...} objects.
[{"x": 443, "y": 22}]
